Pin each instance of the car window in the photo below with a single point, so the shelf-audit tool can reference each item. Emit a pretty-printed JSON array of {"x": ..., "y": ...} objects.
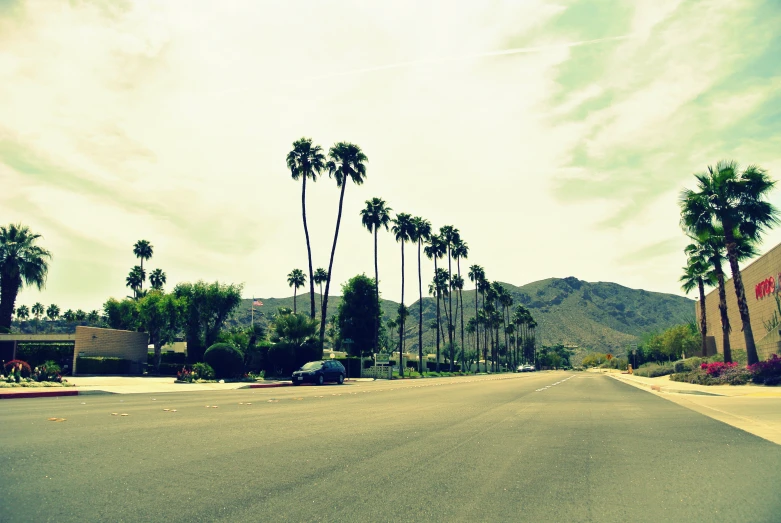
[{"x": 312, "y": 365}]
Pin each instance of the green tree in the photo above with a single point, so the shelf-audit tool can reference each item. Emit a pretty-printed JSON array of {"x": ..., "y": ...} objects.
[
  {"x": 143, "y": 251},
  {"x": 476, "y": 275},
  {"x": 734, "y": 199},
  {"x": 320, "y": 276},
  {"x": 93, "y": 317},
  {"x": 346, "y": 162},
  {"x": 52, "y": 312},
  {"x": 439, "y": 288},
  {"x": 135, "y": 280},
  {"x": 294, "y": 328},
  {"x": 160, "y": 316},
  {"x": 450, "y": 236},
  {"x": 421, "y": 232},
  {"x": 22, "y": 313},
  {"x": 122, "y": 315},
  {"x": 296, "y": 279},
  {"x": 376, "y": 214},
  {"x": 358, "y": 312},
  {"x": 306, "y": 161},
  {"x": 402, "y": 229},
  {"x": 435, "y": 250},
  {"x": 22, "y": 262},
  {"x": 157, "y": 279},
  {"x": 461, "y": 250},
  {"x": 206, "y": 307},
  {"x": 698, "y": 273}
]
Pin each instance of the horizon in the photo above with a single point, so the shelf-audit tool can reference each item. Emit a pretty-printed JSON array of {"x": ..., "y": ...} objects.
[{"x": 555, "y": 137}]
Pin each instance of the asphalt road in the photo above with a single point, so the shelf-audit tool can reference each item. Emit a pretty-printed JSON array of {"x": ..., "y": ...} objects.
[{"x": 467, "y": 449}]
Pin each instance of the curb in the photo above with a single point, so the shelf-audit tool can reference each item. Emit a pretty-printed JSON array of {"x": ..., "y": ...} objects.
[
  {"x": 37, "y": 394},
  {"x": 664, "y": 389},
  {"x": 266, "y": 385}
]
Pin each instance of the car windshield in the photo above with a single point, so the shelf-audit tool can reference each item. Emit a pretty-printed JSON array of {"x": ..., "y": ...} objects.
[{"x": 312, "y": 365}]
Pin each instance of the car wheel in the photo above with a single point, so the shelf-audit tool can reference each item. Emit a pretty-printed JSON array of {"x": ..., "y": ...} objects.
[
  {"x": 320, "y": 379},
  {"x": 341, "y": 379},
  {"x": 296, "y": 383}
]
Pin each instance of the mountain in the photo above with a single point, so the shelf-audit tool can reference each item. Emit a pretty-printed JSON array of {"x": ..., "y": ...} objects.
[{"x": 599, "y": 316}]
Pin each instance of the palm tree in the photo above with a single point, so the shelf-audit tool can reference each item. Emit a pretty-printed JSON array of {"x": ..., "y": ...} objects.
[
  {"x": 402, "y": 229},
  {"x": 476, "y": 274},
  {"x": 81, "y": 315},
  {"x": 458, "y": 285},
  {"x": 134, "y": 280},
  {"x": 69, "y": 316},
  {"x": 320, "y": 276},
  {"x": 376, "y": 214},
  {"x": 296, "y": 279},
  {"x": 306, "y": 161},
  {"x": 52, "y": 312},
  {"x": 94, "y": 317},
  {"x": 421, "y": 232},
  {"x": 694, "y": 275},
  {"x": 734, "y": 199},
  {"x": 346, "y": 162},
  {"x": 450, "y": 235},
  {"x": 391, "y": 323},
  {"x": 143, "y": 251},
  {"x": 37, "y": 311},
  {"x": 22, "y": 262},
  {"x": 22, "y": 313},
  {"x": 461, "y": 250},
  {"x": 435, "y": 250},
  {"x": 157, "y": 279}
]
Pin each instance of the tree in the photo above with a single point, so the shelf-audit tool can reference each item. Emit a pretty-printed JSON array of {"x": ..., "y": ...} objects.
[
  {"x": 122, "y": 315},
  {"x": 306, "y": 161},
  {"x": 206, "y": 307},
  {"x": 22, "y": 313},
  {"x": 376, "y": 214},
  {"x": 439, "y": 288},
  {"x": 135, "y": 280},
  {"x": 22, "y": 262},
  {"x": 52, "y": 312},
  {"x": 358, "y": 313},
  {"x": 421, "y": 232},
  {"x": 296, "y": 279},
  {"x": 143, "y": 251},
  {"x": 160, "y": 316},
  {"x": 476, "y": 275},
  {"x": 320, "y": 276},
  {"x": 451, "y": 236},
  {"x": 391, "y": 324},
  {"x": 157, "y": 279},
  {"x": 402, "y": 229},
  {"x": 346, "y": 162},
  {"x": 93, "y": 317},
  {"x": 69, "y": 316},
  {"x": 734, "y": 199},
  {"x": 460, "y": 250},
  {"x": 294, "y": 328},
  {"x": 435, "y": 250}
]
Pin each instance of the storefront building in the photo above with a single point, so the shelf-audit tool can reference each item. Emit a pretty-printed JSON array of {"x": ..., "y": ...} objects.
[{"x": 762, "y": 283}]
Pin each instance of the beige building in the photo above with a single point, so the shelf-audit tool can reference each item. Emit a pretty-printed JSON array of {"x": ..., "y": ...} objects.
[{"x": 762, "y": 283}]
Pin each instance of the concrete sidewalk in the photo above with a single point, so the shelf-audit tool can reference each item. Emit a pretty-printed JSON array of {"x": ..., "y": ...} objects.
[{"x": 753, "y": 408}]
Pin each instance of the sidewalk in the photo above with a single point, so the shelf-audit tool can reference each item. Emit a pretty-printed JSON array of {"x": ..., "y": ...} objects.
[{"x": 753, "y": 408}]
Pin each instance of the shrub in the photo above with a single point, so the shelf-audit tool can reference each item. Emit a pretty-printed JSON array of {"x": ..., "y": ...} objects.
[
  {"x": 167, "y": 369},
  {"x": 716, "y": 368},
  {"x": 767, "y": 372},
  {"x": 204, "y": 371},
  {"x": 654, "y": 370},
  {"x": 49, "y": 371},
  {"x": 98, "y": 365},
  {"x": 226, "y": 360},
  {"x": 37, "y": 354},
  {"x": 17, "y": 366}
]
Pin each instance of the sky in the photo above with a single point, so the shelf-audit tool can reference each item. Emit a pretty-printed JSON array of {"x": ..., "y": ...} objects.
[{"x": 555, "y": 135}]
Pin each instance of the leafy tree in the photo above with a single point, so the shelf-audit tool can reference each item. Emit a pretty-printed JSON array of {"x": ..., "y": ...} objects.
[
  {"x": 52, "y": 312},
  {"x": 69, "y": 316},
  {"x": 306, "y": 161},
  {"x": 160, "y": 316},
  {"x": 358, "y": 312},
  {"x": 320, "y": 276},
  {"x": 143, "y": 251},
  {"x": 346, "y": 162},
  {"x": 296, "y": 279},
  {"x": 402, "y": 229},
  {"x": 135, "y": 280},
  {"x": 22, "y": 313},
  {"x": 206, "y": 307},
  {"x": 22, "y": 262},
  {"x": 421, "y": 232},
  {"x": 694, "y": 275},
  {"x": 81, "y": 316},
  {"x": 93, "y": 317},
  {"x": 157, "y": 279},
  {"x": 294, "y": 328},
  {"x": 376, "y": 214},
  {"x": 122, "y": 315},
  {"x": 734, "y": 199}
]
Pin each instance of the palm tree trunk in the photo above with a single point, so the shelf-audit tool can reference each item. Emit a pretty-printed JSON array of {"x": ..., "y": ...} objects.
[
  {"x": 295, "y": 292},
  {"x": 401, "y": 317},
  {"x": 321, "y": 296},
  {"x": 703, "y": 319},
  {"x": 9, "y": 288},
  {"x": 477, "y": 333},
  {"x": 308, "y": 250},
  {"x": 740, "y": 294},
  {"x": 420, "y": 314},
  {"x": 376, "y": 291},
  {"x": 436, "y": 292},
  {"x": 324, "y": 312},
  {"x": 450, "y": 304}
]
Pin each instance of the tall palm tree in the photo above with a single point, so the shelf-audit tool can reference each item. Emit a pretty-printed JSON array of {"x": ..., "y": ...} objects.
[
  {"x": 421, "y": 232},
  {"x": 52, "y": 312},
  {"x": 346, "y": 162},
  {"x": 476, "y": 274},
  {"x": 143, "y": 251},
  {"x": 22, "y": 313},
  {"x": 22, "y": 262},
  {"x": 376, "y": 214},
  {"x": 296, "y": 279},
  {"x": 391, "y": 323},
  {"x": 694, "y": 275},
  {"x": 458, "y": 286},
  {"x": 93, "y": 317},
  {"x": 134, "y": 280},
  {"x": 734, "y": 199},
  {"x": 157, "y": 279},
  {"x": 461, "y": 250},
  {"x": 435, "y": 250},
  {"x": 450, "y": 235},
  {"x": 402, "y": 230},
  {"x": 438, "y": 288},
  {"x": 306, "y": 161},
  {"x": 320, "y": 276},
  {"x": 37, "y": 310}
]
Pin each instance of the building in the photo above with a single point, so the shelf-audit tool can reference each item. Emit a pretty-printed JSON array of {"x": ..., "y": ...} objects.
[{"x": 762, "y": 283}]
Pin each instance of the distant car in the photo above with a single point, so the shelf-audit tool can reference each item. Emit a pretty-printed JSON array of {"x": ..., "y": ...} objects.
[
  {"x": 528, "y": 368},
  {"x": 319, "y": 372}
]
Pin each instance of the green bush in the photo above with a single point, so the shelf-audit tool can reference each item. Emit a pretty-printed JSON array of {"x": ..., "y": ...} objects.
[
  {"x": 39, "y": 353},
  {"x": 99, "y": 365},
  {"x": 654, "y": 370},
  {"x": 168, "y": 369},
  {"x": 256, "y": 357},
  {"x": 203, "y": 371},
  {"x": 226, "y": 360}
]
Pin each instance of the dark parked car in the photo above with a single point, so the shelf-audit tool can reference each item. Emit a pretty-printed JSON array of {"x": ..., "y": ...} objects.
[{"x": 319, "y": 372}]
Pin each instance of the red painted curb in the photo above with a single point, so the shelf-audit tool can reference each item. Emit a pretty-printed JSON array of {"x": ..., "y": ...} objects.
[
  {"x": 37, "y": 394},
  {"x": 269, "y": 385}
]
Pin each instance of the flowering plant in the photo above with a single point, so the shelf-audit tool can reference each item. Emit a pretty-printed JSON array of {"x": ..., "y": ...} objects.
[
  {"x": 717, "y": 367},
  {"x": 767, "y": 372}
]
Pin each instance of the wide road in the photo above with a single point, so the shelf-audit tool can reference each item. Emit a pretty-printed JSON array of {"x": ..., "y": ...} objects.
[{"x": 549, "y": 446}]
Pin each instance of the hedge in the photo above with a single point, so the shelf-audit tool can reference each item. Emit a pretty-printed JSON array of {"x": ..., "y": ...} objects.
[
  {"x": 226, "y": 360},
  {"x": 97, "y": 365},
  {"x": 37, "y": 354},
  {"x": 176, "y": 358}
]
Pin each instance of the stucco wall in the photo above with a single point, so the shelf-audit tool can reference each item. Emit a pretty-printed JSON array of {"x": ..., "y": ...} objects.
[{"x": 95, "y": 342}]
